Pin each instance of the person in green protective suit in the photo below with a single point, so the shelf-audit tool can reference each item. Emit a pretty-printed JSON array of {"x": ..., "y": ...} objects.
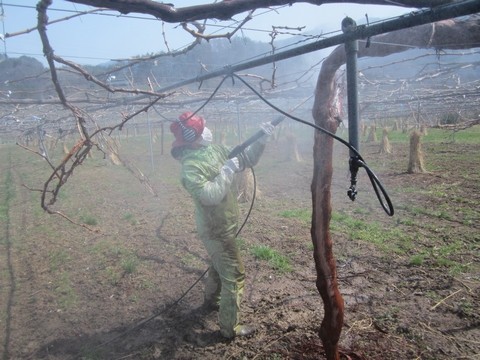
[{"x": 207, "y": 174}]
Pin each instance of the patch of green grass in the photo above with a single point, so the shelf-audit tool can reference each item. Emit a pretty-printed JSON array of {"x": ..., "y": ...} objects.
[
  {"x": 88, "y": 353},
  {"x": 397, "y": 136},
  {"x": 433, "y": 295},
  {"x": 468, "y": 136},
  {"x": 130, "y": 218},
  {"x": 466, "y": 308},
  {"x": 399, "y": 241},
  {"x": 88, "y": 220},
  {"x": 117, "y": 261},
  {"x": 7, "y": 189},
  {"x": 57, "y": 258},
  {"x": 442, "y": 256},
  {"x": 385, "y": 239},
  {"x": 417, "y": 260},
  {"x": 304, "y": 215},
  {"x": 127, "y": 260},
  {"x": 389, "y": 318},
  {"x": 438, "y": 191},
  {"x": 443, "y": 214},
  {"x": 191, "y": 260},
  {"x": 98, "y": 247},
  {"x": 448, "y": 249},
  {"x": 66, "y": 295},
  {"x": 112, "y": 275},
  {"x": 146, "y": 283},
  {"x": 442, "y": 261},
  {"x": 361, "y": 211},
  {"x": 437, "y": 213},
  {"x": 405, "y": 221},
  {"x": 470, "y": 215},
  {"x": 130, "y": 263},
  {"x": 275, "y": 259}
]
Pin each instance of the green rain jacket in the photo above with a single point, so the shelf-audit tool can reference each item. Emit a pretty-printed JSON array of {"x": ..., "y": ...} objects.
[{"x": 210, "y": 187}]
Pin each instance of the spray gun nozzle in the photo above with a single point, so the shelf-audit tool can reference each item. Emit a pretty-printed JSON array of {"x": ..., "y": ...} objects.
[
  {"x": 352, "y": 193},
  {"x": 354, "y": 166}
]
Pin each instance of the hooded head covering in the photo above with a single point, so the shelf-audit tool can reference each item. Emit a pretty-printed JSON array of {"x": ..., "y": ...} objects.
[{"x": 187, "y": 129}]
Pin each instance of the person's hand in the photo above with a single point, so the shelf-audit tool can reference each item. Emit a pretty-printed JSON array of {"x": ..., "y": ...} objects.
[
  {"x": 231, "y": 166},
  {"x": 267, "y": 128}
]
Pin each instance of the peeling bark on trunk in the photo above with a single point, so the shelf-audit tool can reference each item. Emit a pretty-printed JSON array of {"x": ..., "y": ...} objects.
[
  {"x": 321, "y": 200},
  {"x": 453, "y": 34}
]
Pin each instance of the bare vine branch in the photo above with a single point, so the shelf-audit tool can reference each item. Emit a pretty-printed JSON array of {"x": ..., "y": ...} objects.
[
  {"x": 29, "y": 30},
  {"x": 225, "y": 10},
  {"x": 79, "y": 152}
]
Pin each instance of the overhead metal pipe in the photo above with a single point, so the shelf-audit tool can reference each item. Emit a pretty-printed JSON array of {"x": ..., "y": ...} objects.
[{"x": 412, "y": 19}]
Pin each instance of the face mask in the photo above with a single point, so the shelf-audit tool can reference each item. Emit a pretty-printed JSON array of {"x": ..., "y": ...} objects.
[{"x": 207, "y": 136}]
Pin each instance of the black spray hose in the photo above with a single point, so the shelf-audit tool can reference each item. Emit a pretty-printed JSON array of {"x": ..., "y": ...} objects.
[{"x": 359, "y": 162}]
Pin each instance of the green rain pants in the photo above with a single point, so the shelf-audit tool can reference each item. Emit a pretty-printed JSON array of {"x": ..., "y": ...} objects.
[{"x": 225, "y": 282}]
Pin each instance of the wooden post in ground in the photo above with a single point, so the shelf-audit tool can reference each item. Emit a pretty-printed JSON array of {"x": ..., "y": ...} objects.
[
  {"x": 385, "y": 146},
  {"x": 415, "y": 163}
]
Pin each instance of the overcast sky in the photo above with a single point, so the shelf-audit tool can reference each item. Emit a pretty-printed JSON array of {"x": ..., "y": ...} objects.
[{"x": 93, "y": 39}]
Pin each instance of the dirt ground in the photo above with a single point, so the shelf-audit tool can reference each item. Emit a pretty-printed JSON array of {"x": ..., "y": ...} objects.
[{"x": 133, "y": 288}]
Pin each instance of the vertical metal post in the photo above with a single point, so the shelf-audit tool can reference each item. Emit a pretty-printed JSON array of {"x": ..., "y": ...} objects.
[
  {"x": 150, "y": 135},
  {"x": 162, "y": 133},
  {"x": 2, "y": 19},
  {"x": 351, "y": 51},
  {"x": 238, "y": 124}
]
